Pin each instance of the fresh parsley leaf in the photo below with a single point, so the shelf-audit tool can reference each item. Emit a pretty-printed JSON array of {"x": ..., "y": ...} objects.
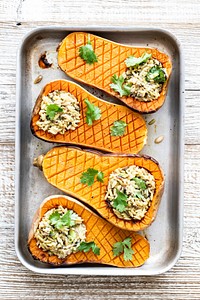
[
  {"x": 87, "y": 246},
  {"x": 120, "y": 201},
  {"x": 87, "y": 53},
  {"x": 88, "y": 177},
  {"x": 118, "y": 129},
  {"x": 127, "y": 242},
  {"x": 66, "y": 220},
  {"x": 156, "y": 74},
  {"x": 128, "y": 253},
  {"x": 123, "y": 246},
  {"x": 119, "y": 86},
  {"x": 54, "y": 217},
  {"x": 100, "y": 176},
  {"x": 140, "y": 183},
  {"x": 133, "y": 61},
  {"x": 93, "y": 112},
  {"x": 52, "y": 109},
  {"x": 59, "y": 224},
  {"x": 118, "y": 248}
]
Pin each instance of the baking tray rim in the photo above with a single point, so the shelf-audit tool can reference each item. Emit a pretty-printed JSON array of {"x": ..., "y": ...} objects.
[{"x": 101, "y": 271}]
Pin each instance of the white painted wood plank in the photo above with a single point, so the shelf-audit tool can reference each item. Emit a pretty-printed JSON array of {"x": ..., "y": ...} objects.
[{"x": 179, "y": 11}]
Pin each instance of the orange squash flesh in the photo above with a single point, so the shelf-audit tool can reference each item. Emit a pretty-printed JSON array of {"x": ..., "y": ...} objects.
[
  {"x": 63, "y": 166},
  {"x": 98, "y": 135},
  {"x": 98, "y": 230},
  {"x": 111, "y": 57}
]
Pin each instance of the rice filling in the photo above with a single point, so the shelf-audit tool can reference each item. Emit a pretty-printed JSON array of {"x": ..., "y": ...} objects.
[
  {"x": 142, "y": 80},
  {"x": 59, "y": 112},
  {"x": 60, "y": 232},
  {"x": 134, "y": 186}
]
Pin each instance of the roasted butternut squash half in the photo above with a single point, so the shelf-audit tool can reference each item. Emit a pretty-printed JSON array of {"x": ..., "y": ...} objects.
[
  {"x": 66, "y": 113},
  {"x": 64, "y": 231},
  {"x": 136, "y": 76},
  {"x": 124, "y": 189}
]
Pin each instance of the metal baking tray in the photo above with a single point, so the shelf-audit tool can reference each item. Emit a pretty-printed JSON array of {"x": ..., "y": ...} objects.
[{"x": 165, "y": 234}]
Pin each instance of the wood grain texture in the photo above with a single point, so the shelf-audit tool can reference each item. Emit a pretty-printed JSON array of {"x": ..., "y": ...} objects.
[{"x": 182, "y": 19}]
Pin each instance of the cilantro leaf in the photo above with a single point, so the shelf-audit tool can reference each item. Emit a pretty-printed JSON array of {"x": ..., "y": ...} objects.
[
  {"x": 52, "y": 109},
  {"x": 128, "y": 253},
  {"x": 54, "y": 217},
  {"x": 120, "y": 201},
  {"x": 123, "y": 246},
  {"x": 118, "y": 248},
  {"x": 140, "y": 183},
  {"x": 100, "y": 176},
  {"x": 156, "y": 74},
  {"x": 118, "y": 129},
  {"x": 87, "y": 53},
  {"x": 93, "y": 112},
  {"x": 133, "y": 61},
  {"x": 59, "y": 224},
  {"x": 127, "y": 242},
  {"x": 66, "y": 220},
  {"x": 89, "y": 176},
  {"x": 95, "y": 249},
  {"x": 87, "y": 246},
  {"x": 119, "y": 86}
]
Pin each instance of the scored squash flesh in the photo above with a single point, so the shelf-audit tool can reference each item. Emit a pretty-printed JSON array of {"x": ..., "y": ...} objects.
[
  {"x": 63, "y": 167},
  {"x": 101, "y": 232},
  {"x": 111, "y": 57},
  {"x": 98, "y": 134}
]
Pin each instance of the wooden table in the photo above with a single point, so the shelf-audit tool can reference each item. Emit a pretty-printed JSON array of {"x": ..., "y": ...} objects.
[{"x": 182, "y": 19}]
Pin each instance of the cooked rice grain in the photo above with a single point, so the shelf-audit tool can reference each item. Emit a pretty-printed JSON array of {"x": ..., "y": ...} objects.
[
  {"x": 122, "y": 180},
  {"x": 68, "y": 119},
  {"x": 60, "y": 242}
]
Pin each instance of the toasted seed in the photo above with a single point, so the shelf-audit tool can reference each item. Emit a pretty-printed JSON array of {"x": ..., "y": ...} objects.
[
  {"x": 159, "y": 139},
  {"x": 152, "y": 122},
  {"x": 38, "y": 79}
]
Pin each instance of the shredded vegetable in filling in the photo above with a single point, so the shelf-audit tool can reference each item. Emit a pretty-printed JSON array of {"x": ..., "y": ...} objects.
[
  {"x": 60, "y": 232},
  {"x": 144, "y": 80},
  {"x": 60, "y": 111},
  {"x": 130, "y": 192}
]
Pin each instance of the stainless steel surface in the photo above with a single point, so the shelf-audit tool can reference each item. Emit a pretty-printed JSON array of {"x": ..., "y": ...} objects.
[{"x": 165, "y": 234}]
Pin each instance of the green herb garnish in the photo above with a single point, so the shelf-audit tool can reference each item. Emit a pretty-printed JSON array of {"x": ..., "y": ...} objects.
[
  {"x": 86, "y": 246},
  {"x": 93, "y": 113},
  {"x": 88, "y": 177},
  {"x": 140, "y": 183},
  {"x": 119, "y": 86},
  {"x": 138, "y": 195},
  {"x": 123, "y": 246},
  {"x": 66, "y": 220},
  {"x": 87, "y": 53},
  {"x": 120, "y": 202},
  {"x": 100, "y": 176},
  {"x": 118, "y": 129},
  {"x": 52, "y": 109},
  {"x": 54, "y": 217},
  {"x": 133, "y": 61},
  {"x": 157, "y": 74}
]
